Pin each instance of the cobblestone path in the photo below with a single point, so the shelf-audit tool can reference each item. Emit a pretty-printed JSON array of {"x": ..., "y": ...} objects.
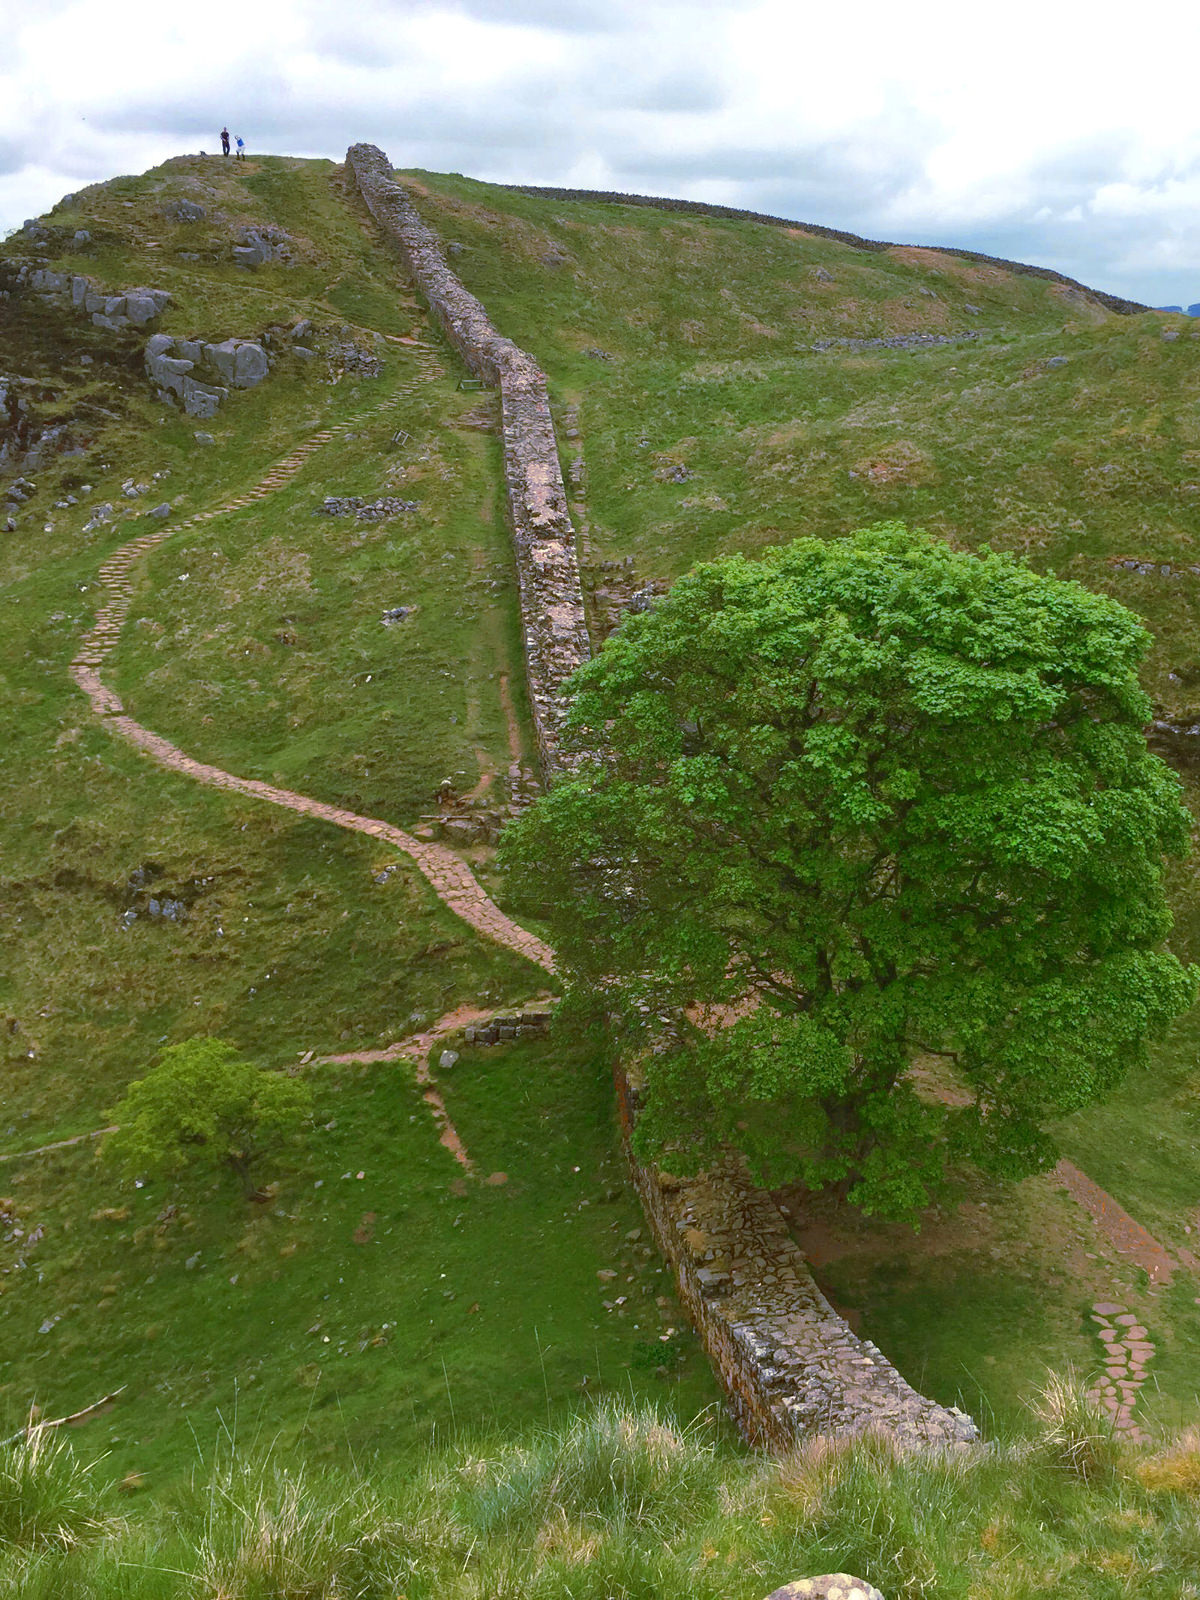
[{"x": 450, "y": 878}]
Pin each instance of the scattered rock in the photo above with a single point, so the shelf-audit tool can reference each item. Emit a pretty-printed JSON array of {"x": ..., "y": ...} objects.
[
  {"x": 353, "y": 505},
  {"x": 396, "y": 614},
  {"x": 447, "y": 1059}
]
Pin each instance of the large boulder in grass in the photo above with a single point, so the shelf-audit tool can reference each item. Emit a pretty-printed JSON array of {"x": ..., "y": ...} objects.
[
  {"x": 201, "y": 399},
  {"x": 241, "y": 364}
]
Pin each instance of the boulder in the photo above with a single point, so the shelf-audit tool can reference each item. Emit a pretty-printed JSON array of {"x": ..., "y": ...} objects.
[
  {"x": 93, "y": 300},
  {"x": 159, "y": 343},
  {"x": 140, "y": 307},
  {"x": 254, "y": 254},
  {"x": 191, "y": 349},
  {"x": 79, "y": 290},
  {"x": 222, "y": 357},
  {"x": 184, "y": 211},
  {"x": 833, "y": 1586},
  {"x": 102, "y": 320},
  {"x": 250, "y": 366},
  {"x": 201, "y": 400}
]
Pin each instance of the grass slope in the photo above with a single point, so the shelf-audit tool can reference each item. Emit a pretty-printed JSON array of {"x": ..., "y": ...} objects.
[{"x": 255, "y": 642}]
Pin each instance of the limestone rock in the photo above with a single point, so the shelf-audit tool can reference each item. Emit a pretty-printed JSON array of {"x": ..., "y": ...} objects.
[
  {"x": 250, "y": 366},
  {"x": 832, "y": 1586},
  {"x": 201, "y": 399}
]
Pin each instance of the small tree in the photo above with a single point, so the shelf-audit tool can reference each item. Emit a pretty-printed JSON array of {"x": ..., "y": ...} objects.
[
  {"x": 865, "y": 802},
  {"x": 203, "y": 1108}
]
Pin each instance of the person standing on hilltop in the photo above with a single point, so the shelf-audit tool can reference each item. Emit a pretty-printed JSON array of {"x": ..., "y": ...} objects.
[
  {"x": 241, "y": 148},
  {"x": 224, "y": 141}
]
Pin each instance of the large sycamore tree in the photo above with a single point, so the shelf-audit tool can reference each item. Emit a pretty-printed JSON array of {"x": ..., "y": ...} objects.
[{"x": 869, "y": 816}]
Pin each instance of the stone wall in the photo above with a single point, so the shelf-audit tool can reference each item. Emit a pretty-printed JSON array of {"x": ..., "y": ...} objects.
[
  {"x": 556, "y": 639},
  {"x": 789, "y": 1364},
  {"x": 702, "y": 208}
]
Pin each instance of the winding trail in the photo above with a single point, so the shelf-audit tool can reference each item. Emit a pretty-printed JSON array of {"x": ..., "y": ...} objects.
[{"x": 450, "y": 878}]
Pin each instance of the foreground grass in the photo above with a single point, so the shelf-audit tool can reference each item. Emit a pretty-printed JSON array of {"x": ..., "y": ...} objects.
[
  {"x": 381, "y": 1297},
  {"x": 618, "y": 1503}
]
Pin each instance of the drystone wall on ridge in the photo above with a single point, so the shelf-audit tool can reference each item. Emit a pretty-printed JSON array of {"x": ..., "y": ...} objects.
[
  {"x": 790, "y": 1366},
  {"x": 556, "y": 638},
  {"x": 703, "y": 208}
]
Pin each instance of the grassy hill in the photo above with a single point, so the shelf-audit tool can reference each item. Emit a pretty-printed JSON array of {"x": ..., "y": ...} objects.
[{"x": 719, "y": 385}]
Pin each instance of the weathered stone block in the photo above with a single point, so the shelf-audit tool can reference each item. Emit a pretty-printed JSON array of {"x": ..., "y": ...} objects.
[
  {"x": 201, "y": 399},
  {"x": 250, "y": 366}
]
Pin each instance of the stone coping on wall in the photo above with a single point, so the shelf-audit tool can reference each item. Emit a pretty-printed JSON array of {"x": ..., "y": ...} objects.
[
  {"x": 791, "y": 1367},
  {"x": 552, "y": 613}
]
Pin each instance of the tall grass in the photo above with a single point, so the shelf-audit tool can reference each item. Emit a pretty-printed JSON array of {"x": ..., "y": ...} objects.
[
  {"x": 48, "y": 1496},
  {"x": 621, "y": 1504}
]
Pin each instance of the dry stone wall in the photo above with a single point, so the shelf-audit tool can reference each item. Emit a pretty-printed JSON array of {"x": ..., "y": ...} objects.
[
  {"x": 556, "y": 638},
  {"x": 790, "y": 1366}
]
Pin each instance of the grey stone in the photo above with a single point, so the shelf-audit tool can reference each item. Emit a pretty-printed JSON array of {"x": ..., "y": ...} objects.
[
  {"x": 158, "y": 344},
  {"x": 184, "y": 211},
  {"x": 447, "y": 1059},
  {"x": 301, "y": 329},
  {"x": 191, "y": 349},
  {"x": 93, "y": 300},
  {"x": 163, "y": 510},
  {"x": 222, "y": 357},
  {"x": 304, "y": 352},
  {"x": 250, "y": 366},
  {"x": 201, "y": 399},
  {"x": 79, "y": 289},
  {"x": 81, "y": 237},
  {"x": 830, "y": 1586},
  {"x": 204, "y": 438},
  {"x": 141, "y": 307},
  {"x": 396, "y": 614}
]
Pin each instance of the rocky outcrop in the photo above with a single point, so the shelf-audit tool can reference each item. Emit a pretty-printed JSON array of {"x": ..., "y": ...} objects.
[
  {"x": 556, "y": 639},
  {"x": 131, "y": 308},
  {"x": 257, "y": 246},
  {"x": 183, "y": 370},
  {"x": 790, "y": 1366}
]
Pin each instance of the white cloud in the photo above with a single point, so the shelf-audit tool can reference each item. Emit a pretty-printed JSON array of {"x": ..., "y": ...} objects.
[{"x": 1023, "y": 126}]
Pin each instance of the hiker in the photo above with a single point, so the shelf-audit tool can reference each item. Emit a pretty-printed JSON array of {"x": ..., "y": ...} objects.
[
  {"x": 224, "y": 141},
  {"x": 241, "y": 148}
]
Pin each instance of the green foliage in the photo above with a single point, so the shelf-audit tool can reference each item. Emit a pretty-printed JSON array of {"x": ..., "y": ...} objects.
[
  {"x": 869, "y": 799},
  {"x": 203, "y": 1107}
]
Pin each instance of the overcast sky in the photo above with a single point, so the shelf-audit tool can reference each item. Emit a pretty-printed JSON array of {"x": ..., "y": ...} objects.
[{"x": 1029, "y": 129}]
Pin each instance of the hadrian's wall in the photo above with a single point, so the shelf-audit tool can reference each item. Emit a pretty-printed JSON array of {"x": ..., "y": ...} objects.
[
  {"x": 789, "y": 1364},
  {"x": 791, "y": 1367},
  {"x": 556, "y": 638}
]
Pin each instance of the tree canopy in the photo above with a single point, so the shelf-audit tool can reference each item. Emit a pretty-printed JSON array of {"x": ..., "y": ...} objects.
[
  {"x": 202, "y": 1107},
  {"x": 871, "y": 813}
]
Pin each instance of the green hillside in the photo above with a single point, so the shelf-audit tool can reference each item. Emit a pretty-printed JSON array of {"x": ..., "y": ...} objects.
[{"x": 702, "y": 409}]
